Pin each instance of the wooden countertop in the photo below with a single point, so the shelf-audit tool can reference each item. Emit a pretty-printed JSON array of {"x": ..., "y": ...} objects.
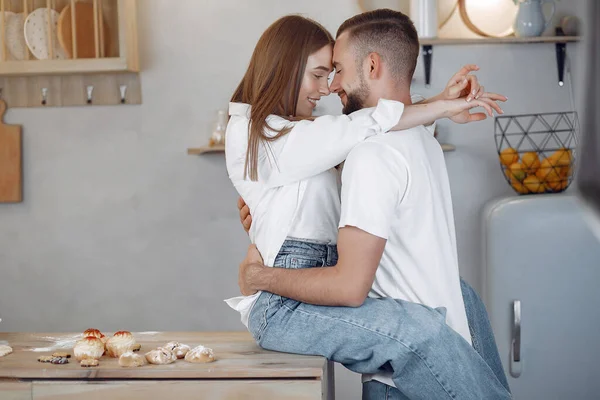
[{"x": 237, "y": 357}]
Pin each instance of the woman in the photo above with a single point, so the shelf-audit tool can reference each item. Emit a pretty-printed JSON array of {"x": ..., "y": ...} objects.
[{"x": 284, "y": 168}]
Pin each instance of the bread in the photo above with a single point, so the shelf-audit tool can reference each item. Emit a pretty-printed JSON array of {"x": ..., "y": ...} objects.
[
  {"x": 88, "y": 347},
  {"x": 120, "y": 343},
  {"x": 131, "y": 359},
  {"x": 200, "y": 354}
]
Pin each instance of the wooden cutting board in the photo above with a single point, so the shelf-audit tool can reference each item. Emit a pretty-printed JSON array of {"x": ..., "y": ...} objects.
[
  {"x": 84, "y": 32},
  {"x": 11, "y": 173}
]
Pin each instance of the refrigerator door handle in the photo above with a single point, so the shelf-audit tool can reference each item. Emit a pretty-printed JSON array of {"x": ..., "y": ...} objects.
[{"x": 515, "y": 348}]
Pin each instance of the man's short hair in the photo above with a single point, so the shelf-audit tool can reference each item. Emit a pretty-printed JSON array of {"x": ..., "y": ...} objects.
[{"x": 389, "y": 33}]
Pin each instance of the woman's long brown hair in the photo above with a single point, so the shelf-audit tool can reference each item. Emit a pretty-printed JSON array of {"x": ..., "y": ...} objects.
[{"x": 272, "y": 82}]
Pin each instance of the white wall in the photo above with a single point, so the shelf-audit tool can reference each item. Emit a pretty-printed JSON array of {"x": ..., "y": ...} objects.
[{"x": 120, "y": 229}]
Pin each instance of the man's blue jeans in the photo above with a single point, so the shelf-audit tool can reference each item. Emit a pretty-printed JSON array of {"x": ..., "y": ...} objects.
[
  {"x": 429, "y": 360},
  {"x": 482, "y": 337}
]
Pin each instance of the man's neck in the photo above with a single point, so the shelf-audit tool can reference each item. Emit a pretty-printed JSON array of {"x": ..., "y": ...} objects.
[
  {"x": 391, "y": 92},
  {"x": 399, "y": 94}
]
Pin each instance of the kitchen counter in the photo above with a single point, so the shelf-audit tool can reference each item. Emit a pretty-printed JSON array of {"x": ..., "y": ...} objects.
[{"x": 242, "y": 371}]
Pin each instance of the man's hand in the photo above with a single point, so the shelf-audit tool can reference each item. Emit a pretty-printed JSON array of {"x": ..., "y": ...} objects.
[
  {"x": 250, "y": 268},
  {"x": 245, "y": 217}
]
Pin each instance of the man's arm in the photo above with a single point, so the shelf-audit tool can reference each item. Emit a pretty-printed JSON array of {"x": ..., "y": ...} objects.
[{"x": 345, "y": 284}]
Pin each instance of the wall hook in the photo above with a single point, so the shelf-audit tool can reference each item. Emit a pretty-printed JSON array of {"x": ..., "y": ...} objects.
[
  {"x": 123, "y": 89},
  {"x": 90, "y": 91},
  {"x": 427, "y": 54},
  {"x": 44, "y": 96}
]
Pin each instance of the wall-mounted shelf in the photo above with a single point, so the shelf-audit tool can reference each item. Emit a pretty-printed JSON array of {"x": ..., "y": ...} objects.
[
  {"x": 206, "y": 149},
  {"x": 503, "y": 40},
  {"x": 560, "y": 41},
  {"x": 88, "y": 55},
  {"x": 221, "y": 149}
]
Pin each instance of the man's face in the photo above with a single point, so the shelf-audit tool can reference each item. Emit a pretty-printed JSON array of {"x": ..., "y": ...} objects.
[{"x": 349, "y": 81}]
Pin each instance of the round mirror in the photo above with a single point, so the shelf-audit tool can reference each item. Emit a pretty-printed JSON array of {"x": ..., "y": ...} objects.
[
  {"x": 490, "y": 18},
  {"x": 445, "y": 7}
]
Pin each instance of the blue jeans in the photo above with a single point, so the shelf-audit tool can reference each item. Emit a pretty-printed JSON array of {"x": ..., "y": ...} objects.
[
  {"x": 428, "y": 359},
  {"x": 482, "y": 337}
]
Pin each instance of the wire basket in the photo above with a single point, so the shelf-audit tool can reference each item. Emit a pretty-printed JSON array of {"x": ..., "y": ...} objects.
[{"x": 537, "y": 152}]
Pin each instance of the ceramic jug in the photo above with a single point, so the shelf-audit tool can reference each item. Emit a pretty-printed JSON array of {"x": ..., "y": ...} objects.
[{"x": 530, "y": 19}]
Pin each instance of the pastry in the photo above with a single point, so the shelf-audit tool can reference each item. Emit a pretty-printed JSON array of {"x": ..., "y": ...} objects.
[
  {"x": 136, "y": 347},
  {"x": 120, "y": 343},
  {"x": 5, "y": 350},
  {"x": 88, "y": 347},
  {"x": 93, "y": 332},
  {"x": 131, "y": 359},
  {"x": 53, "y": 360},
  {"x": 179, "y": 349},
  {"x": 89, "y": 362},
  {"x": 160, "y": 356},
  {"x": 200, "y": 354},
  {"x": 61, "y": 354}
]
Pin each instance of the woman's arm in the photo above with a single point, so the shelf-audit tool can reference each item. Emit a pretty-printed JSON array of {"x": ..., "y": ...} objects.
[{"x": 312, "y": 147}]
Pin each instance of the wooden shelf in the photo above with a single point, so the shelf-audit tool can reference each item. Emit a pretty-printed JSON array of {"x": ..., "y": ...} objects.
[
  {"x": 503, "y": 40},
  {"x": 447, "y": 147},
  {"x": 206, "y": 149},
  {"x": 560, "y": 42},
  {"x": 221, "y": 149}
]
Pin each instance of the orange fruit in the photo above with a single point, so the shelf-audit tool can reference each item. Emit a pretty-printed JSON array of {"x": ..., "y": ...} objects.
[
  {"x": 519, "y": 187},
  {"x": 561, "y": 158},
  {"x": 546, "y": 172},
  {"x": 509, "y": 156},
  {"x": 530, "y": 161},
  {"x": 516, "y": 172},
  {"x": 564, "y": 184},
  {"x": 555, "y": 186},
  {"x": 565, "y": 172},
  {"x": 534, "y": 184}
]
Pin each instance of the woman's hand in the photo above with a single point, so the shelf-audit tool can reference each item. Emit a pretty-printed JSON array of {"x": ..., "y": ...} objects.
[
  {"x": 462, "y": 84},
  {"x": 459, "y": 110}
]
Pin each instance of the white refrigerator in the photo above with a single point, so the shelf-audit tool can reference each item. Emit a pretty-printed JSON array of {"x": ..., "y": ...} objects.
[{"x": 542, "y": 291}]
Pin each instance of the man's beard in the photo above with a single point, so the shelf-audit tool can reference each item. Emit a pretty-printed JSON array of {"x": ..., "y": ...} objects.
[{"x": 356, "y": 100}]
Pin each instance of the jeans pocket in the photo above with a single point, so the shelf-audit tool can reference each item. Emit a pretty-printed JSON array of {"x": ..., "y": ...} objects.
[{"x": 300, "y": 261}]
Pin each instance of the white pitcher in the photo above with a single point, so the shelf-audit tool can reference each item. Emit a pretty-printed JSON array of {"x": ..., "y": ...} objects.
[{"x": 530, "y": 19}]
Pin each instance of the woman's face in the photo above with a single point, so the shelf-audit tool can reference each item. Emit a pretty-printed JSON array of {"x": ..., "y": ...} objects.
[{"x": 315, "y": 81}]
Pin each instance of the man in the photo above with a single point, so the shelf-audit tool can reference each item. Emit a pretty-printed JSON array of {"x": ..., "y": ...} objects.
[{"x": 396, "y": 228}]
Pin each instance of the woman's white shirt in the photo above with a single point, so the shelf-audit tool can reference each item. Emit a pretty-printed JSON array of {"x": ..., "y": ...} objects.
[{"x": 292, "y": 166}]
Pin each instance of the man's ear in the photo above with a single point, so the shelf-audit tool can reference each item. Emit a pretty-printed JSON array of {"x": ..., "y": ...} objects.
[{"x": 375, "y": 66}]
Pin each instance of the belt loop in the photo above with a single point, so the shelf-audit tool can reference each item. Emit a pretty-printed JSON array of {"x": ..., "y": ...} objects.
[{"x": 329, "y": 254}]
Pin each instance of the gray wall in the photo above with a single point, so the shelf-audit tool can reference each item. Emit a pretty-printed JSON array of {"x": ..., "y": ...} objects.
[{"x": 120, "y": 229}]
